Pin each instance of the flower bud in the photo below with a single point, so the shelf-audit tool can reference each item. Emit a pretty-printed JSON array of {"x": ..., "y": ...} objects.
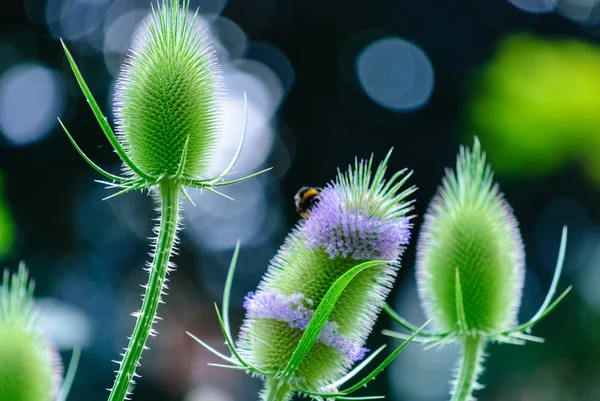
[
  {"x": 167, "y": 97},
  {"x": 30, "y": 369},
  {"x": 470, "y": 242},
  {"x": 355, "y": 219}
]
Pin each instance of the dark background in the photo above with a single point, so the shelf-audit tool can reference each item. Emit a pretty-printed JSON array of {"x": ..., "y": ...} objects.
[{"x": 315, "y": 116}]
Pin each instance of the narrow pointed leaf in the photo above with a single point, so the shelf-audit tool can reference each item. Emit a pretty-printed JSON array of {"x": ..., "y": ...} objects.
[
  {"x": 231, "y": 345},
  {"x": 236, "y": 156},
  {"x": 187, "y": 196},
  {"x": 356, "y": 370},
  {"x": 557, "y": 272},
  {"x": 110, "y": 135},
  {"x": 460, "y": 309},
  {"x": 223, "y": 184},
  {"x": 228, "y": 285},
  {"x": 87, "y": 159},
  {"x": 384, "y": 364},
  {"x": 65, "y": 388},
  {"x": 181, "y": 168},
  {"x": 211, "y": 349},
  {"x": 321, "y": 315},
  {"x": 405, "y": 323},
  {"x": 233, "y": 367},
  {"x": 531, "y": 323}
]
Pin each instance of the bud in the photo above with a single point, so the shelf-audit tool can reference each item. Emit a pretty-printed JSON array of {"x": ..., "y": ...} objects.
[
  {"x": 470, "y": 233},
  {"x": 357, "y": 218},
  {"x": 30, "y": 369},
  {"x": 167, "y": 97}
]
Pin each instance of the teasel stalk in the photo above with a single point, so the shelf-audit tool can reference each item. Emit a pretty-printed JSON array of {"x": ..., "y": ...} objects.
[
  {"x": 470, "y": 270},
  {"x": 307, "y": 322},
  {"x": 30, "y": 367},
  {"x": 168, "y": 101}
]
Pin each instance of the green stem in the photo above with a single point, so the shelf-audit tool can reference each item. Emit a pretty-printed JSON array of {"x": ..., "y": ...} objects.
[
  {"x": 470, "y": 368},
  {"x": 276, "y": 390},
  {"x": 167, "y": 231}
]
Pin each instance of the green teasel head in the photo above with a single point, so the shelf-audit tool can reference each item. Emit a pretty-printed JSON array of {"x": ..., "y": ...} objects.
[
  {"x": 30, "y": 369},
  {"x": 358, "y": 218},
  {"x": 168, "y": 95},
  {"x": 168, "y": 107},
  {"x": 470, "y": 256}
]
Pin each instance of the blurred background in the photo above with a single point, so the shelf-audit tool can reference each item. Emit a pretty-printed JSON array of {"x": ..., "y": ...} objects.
[{"x": 326, "y": 81}]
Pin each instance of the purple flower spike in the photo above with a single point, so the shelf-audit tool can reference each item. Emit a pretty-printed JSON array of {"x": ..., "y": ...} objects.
[
  {"x": 293, "y": 310},
  {"x": 349, "y": 230}
]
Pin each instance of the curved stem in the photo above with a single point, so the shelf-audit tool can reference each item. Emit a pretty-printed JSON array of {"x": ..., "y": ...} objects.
[
  {"x": 470, "y": 368},
  {"x": 276, "y": 390},
  {"x": 167, "y": 231}
]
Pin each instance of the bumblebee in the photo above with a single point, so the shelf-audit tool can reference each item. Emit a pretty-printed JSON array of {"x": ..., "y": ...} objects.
[{"x": 306, "y": 199}]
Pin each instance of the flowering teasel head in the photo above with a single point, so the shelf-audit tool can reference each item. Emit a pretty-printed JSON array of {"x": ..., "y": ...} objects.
[
  {"x": 30, "y": 368},
  {"x": 327, "y": 283},
  {"x": 470, "y": 269}
]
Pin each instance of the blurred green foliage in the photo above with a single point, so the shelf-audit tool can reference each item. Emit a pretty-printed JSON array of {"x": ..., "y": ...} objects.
[
  {"x": 536, "y": 105},
  {"x": 7, "y": 226}
]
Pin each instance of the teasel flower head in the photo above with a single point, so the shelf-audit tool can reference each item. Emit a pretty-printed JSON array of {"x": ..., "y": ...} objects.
[
  {"x": 30, "y": 368},
  {"x": 168, "y": 106},
  {"x": 168, "y": 96},
  {"x": 470, "y": 230},
  {"x": 470, "y": 270},
  {"x": 335, "y": 268}
]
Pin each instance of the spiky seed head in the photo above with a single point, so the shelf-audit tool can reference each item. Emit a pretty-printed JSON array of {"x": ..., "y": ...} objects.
[
  {"x": 30, "y": 369},
  {"x": 360, "y": 217},
  {"x": 469, "y": 228},
  {"x": 168, "y": 93}
]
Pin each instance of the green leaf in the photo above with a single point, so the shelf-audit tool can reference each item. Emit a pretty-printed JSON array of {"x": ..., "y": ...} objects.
[
  {"x": 310, "y": 335},
  {"x": 223, "y": 184},
  {"x": 233, "y": 367},
  {"x": 460, "y": 309},
  {"x": 557, "y": 272},
  {"x": 238, "y": 151},
  {"x": 110, "y": 135},
  {"x": 87, "y": 159},
  {"x": 65, "y": 388},
  {"x": 356, "y": 370},
  {"x": 531, "y": 323},
  {"x": 423, "y": 339},
  {"x": 228, "y": 285},
  {"x": 211, "y": 349},
  {"x": 406, "y": 324},
  {"x": 181, "y": 168},
  {"x": 371, "y": 375},
  {"x": 231, "y": 345},
  {"x": 385, "y": 363}
]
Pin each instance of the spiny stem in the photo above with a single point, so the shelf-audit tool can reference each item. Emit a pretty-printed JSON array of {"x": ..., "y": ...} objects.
[
  {"x": 470, "y": 368},
  {"x": 276, "y": 390},
  {"x": 167, "y": 231}
]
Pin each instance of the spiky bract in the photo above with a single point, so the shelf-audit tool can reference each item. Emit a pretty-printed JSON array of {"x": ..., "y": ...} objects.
[
  {"x": 359, "y": 217},
  {"x": 470, "y": 235},
  {"x": 29, "y": 367},
  {"x": 168, "y": 94}
]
